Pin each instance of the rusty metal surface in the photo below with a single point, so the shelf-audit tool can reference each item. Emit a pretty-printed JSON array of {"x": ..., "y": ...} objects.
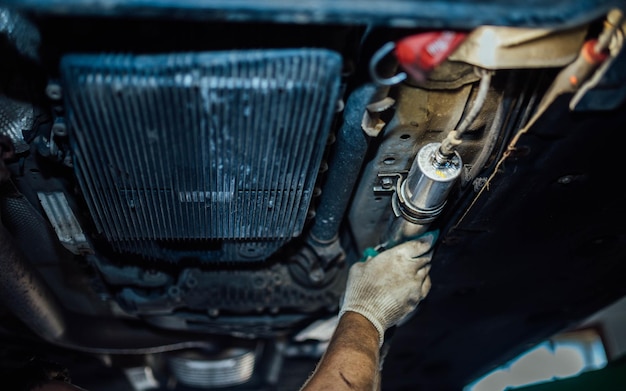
[{"x": 496, "y": 47}]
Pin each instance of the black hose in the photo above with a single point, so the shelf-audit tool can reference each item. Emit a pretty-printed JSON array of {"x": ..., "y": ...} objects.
[{"x": 344, "y": 167}]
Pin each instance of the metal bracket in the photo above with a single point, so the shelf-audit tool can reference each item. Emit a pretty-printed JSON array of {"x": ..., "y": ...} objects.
[
  {"x": 389, "y": 182},
  {"x": 61, "y": 216},
  {"x": 371, "y": 123}
]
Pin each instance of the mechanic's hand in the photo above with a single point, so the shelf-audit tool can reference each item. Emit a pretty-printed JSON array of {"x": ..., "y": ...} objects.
[{"x": 388, "y": 287}]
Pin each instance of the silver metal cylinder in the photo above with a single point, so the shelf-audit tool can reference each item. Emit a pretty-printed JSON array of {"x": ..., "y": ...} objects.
[
  {"x": 400, "y": 230},
  {"x": 421, "y": 197},
  {"x": 431, "y": 178}
]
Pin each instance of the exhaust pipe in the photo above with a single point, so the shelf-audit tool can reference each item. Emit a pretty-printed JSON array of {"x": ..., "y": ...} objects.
[{"x": 24, "y": 293}]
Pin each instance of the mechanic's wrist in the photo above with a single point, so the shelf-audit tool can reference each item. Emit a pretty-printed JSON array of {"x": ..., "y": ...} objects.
[{"x": 366, "y": 319}]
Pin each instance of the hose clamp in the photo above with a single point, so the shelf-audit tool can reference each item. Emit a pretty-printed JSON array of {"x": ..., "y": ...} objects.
[{"x": 403, "y": 208}]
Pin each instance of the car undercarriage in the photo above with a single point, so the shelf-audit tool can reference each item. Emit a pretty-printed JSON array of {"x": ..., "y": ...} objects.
[{"x": 184, "y": 185}]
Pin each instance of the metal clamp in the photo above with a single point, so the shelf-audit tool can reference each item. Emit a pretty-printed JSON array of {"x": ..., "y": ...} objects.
[
  {"x": 402, "y": 208},
  {"x": 389, "y": 182}
]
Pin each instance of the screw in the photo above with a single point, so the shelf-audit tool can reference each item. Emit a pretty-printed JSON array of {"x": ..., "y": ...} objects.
[{"x": 386, "y": 183}]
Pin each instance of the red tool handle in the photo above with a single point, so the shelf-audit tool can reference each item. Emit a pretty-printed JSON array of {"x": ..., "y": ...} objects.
[{"x": 421, "y": 53}]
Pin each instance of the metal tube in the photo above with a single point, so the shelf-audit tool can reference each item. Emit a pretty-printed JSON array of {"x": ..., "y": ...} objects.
[
  {"x": 477, "y": 105},
  {"x": 25, "y": 294},
  {"x": 614, "y": 20},
  {"x": 449, "y": 144},
  {"x": 400, "y": 230},
  {"x": 28, "y": 297}
]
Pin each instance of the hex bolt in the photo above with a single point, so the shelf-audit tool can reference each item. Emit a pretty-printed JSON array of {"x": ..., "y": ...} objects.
[
  {"x": 53, "y": 91},
  {"x": 386, "y": 183},
  {"x": 59, "y": 129},
  {"x": 317, "y": 275}
]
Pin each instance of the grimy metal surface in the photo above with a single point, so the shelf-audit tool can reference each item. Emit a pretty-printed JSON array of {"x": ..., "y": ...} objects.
[
  {"x": 221, "y": 145},
  {"x": 395, "y": 13}
]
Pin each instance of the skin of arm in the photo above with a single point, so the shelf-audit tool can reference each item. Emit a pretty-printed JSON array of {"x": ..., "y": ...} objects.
[{"x": 351, "y": 361}]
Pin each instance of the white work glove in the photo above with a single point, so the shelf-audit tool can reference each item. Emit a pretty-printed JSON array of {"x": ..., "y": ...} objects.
[{"x": 388, "y": 287}]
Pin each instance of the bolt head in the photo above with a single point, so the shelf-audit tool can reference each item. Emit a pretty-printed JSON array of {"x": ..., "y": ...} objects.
[
  {"x": 316, "y": 275},
  {"x": 386, "y": 183}
]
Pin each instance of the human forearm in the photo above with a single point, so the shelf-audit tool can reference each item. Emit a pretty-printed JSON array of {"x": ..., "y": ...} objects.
[
  {"x": 351, "y": 359},
  {"x": 380, "y": 292}
]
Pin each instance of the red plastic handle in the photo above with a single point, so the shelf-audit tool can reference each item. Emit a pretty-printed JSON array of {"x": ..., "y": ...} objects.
[{"x": 421, "y": 53}]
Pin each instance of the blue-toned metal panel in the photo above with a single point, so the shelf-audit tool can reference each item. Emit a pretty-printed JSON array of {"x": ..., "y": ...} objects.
[
  {"x": 459, "y": 14},
  {"x": 222, "y": 145}
]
